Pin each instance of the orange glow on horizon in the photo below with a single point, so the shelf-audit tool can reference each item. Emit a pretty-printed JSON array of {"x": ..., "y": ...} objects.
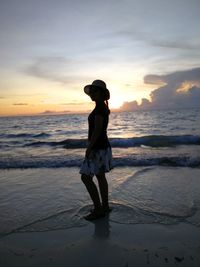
[{"x": 59, "y": 100}]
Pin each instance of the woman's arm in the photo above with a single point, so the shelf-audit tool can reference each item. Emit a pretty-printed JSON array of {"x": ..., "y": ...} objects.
[{"x": 98, "y": 125}]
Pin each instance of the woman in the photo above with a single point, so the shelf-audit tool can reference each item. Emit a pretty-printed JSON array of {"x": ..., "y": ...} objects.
[{"x": 98, "y": 157}]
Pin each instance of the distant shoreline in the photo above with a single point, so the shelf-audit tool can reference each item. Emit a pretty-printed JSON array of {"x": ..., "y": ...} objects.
[{"x": 86, "y": 112}]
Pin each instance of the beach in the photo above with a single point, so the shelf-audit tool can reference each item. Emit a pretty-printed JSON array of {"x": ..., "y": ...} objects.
[
  {"x": 154, "y": 219},
  {"x": 153, "y": 192},
  {"x": 99, "y": 87},
  {"x": 104, "y": 244}
]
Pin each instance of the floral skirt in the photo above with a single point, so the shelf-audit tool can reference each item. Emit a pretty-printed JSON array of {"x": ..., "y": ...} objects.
[{"x": 99, "y": 161}]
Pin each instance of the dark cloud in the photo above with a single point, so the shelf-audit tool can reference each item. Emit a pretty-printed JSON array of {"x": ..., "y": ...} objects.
[
  {"x": 174, "y": 44},
  {"x": 54, "y": 112},
  {"x": 176, "y": 77},
  {"x": 56, "y": 69},
  {"x": 180, "y": 89},
  {"x": 20, "y": 104},
  {"x": 72, "y": 103},
  {"x": 156, "y": 41}
]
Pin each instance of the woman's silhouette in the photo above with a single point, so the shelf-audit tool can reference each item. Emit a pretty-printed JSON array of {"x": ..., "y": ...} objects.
[{"x": 98, "y": 157}]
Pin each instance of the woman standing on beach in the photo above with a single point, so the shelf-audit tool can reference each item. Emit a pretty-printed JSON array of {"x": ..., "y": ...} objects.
[{"x": 98, "y": 157}]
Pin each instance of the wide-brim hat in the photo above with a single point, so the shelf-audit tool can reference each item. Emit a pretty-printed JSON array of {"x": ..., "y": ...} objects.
[{"x": 97, "y": 84}]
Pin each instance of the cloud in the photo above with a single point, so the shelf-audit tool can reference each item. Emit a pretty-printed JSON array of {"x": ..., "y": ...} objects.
[
  {"x": 177, "y": 77},
  {"x": 20, "y": 104},
  {"x": 155, "y": 40},
  {"x": 129, "y": 106},
  {"x": 56, "y": 69},
  {"x": 72, "y": 103},
  {"x": 180, "y": 89},
  {"x": 54, "y": 112},
  {"x": 174, "y": 44}
]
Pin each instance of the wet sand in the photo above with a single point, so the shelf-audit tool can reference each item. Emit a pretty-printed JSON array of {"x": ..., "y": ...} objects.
[
  {"x": 104, "y": 243},
  {"x": 42, "y": 219}
]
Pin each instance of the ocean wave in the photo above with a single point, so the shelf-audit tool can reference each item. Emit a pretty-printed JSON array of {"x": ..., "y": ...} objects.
[
  {"x": 150, "y": 140},
  {"x": 60, "y": 162},
  {"x": 24, "y": 135}
]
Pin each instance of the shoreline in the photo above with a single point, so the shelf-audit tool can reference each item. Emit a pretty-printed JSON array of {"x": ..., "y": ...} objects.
[
  {"x": 57, "y": 198},
  {"x": 104, "y": 243}
]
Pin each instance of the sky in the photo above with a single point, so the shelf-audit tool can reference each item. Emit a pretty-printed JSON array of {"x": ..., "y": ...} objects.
[{"x": 147, "y": 52}]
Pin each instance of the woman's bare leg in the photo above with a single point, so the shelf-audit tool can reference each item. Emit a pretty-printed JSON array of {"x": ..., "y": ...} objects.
[
  {"x": 92, "y": 190},
  {"x": 103, "y": 186}
]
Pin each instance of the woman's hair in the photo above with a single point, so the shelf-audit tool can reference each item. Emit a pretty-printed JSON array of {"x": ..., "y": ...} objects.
[
  {"x": 106, "y": 102},
  {"x": 106, "y": 94},
  {"x": 105, "y": 97}
]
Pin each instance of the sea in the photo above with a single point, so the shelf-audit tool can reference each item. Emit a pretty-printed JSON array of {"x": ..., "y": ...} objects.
[
  {"x": 155, "y": 176},
  {"x": 142, "y": 138}
]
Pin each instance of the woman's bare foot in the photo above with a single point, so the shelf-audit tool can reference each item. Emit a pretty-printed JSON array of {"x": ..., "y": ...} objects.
[
  {"x": 95, "y": 214},
  {"x": 106, "y": 209}
]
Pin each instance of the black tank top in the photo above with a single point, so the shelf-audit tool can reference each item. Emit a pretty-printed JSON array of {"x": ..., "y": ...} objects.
[{"x": 102, "y": 141}]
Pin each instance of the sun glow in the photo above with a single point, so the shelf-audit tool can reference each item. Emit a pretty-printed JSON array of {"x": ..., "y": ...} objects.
[{"x": 116, "y": 102}]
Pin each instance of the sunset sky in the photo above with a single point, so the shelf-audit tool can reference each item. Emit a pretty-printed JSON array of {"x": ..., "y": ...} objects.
[{"x": 50, "y": 49}]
